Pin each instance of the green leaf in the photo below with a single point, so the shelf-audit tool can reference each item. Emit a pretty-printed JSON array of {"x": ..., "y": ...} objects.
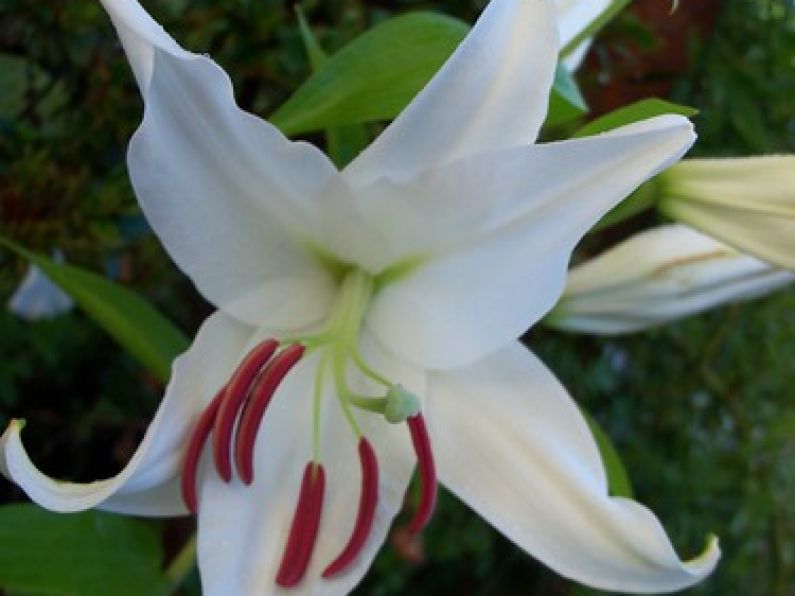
[
  {"x": 640, "y": 110},
  {"x": 345, "y": 142},
  {"x": 617, "y": 477},
  {"x": 377, "y": 74},
  {"x": 566, "y": 102},
  {"x": 129, "y": 319},
  {"x": 85, "y": 554}
]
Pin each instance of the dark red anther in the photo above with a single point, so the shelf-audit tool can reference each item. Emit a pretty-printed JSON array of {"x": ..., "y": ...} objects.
[
  {"x": 368, "y": 499},
  {"x": 195, "y": 445},
  {"x": 255, "y": 407},
  {"x": 236, "y": 391},
  {"x": 427, "y": 469},
  {"x": 303, "y": 531}
]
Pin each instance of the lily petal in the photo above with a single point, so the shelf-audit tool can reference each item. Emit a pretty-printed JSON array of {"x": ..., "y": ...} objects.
[
  {"x": 149, "y": 484},
  {"x": 233, "y": 201},
  {"x": 574, "y": 16},
  {"x": 493, "y": 235},
  {"x": 508, "y": 411},
  {"x": 243, "y": 530},
  {"x": 491, "y": 94},
  {"x": 657, "y": 276}
]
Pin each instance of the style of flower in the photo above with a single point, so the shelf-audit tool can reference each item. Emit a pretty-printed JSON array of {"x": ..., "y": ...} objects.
[
  {"x": 747, "y": 202},
  {"x": 659, "y": 276},
  {"x": 351, "y": 302}
]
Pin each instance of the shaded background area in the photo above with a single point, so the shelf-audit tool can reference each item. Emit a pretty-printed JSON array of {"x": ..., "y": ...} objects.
[{"x": 703, "y": 412}]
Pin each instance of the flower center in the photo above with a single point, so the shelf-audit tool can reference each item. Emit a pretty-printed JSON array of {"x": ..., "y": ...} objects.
[{"x": 235, "y": 414}]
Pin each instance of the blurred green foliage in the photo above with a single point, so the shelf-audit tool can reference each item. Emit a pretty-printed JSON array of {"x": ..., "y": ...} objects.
[{"x": 702, "y": 411}]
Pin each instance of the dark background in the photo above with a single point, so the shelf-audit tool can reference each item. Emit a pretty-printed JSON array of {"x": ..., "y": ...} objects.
[{"x": 703, "y": 412}]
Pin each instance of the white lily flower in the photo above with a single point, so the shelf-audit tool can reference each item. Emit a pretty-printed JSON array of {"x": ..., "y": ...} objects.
[
  {"x": 416, "y": 267},
  {"x": 37, "y": 297},
  {"x": 659, "y": 276},
  {"x": 746, "y": 202}
]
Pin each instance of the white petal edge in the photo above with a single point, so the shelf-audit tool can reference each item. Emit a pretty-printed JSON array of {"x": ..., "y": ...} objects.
[
  {"x": 149, "y": 484},
  {"x": 234, "y": 202},
  {"x": 511, "y": 443},
  {"x": 491, "y": 94},
  {"x": 496, "y": 233},
  {"x": 243, "y": 530},
  {"x": 658, "y": 276}
]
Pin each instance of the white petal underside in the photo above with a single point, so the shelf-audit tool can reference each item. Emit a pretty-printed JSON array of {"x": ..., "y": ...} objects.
[
  {"x": 243, "y": 531},
  {"x": 491, "y": 94},
  {"x": 234, "y": 202},
  {"x": 510, "y": 442},
  {"x": 149, "y": 484},
  {"x": 498, "y": 231}
]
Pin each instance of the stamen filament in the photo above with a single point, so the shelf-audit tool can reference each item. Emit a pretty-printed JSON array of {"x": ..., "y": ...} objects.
[
  {"x": 368, "y": 499},
  {"x": 303, "y": 531},
  {"x": 236, "y": 391},
  {"x": 427, "y": 472},
  {"x": 255, "y": 407},
  {"x": 198, "y": 438},
  {"x": 343, "y": 393}
]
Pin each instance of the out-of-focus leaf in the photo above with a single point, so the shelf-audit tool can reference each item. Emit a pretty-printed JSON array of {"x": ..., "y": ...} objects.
[
  {"x": 343, "y": 143},
  {"x": 566, "y": 102},
  {"x": 640, "y": 110},
  {"x": 129, "y": 319},
  {"x": 85, "y": 554},
  {"x": 617, "y": 477},
  {"x": 377, "y": 74}
]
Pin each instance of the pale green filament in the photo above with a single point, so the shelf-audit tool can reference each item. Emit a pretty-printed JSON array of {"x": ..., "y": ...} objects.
[{"x": 338, "y": 341}]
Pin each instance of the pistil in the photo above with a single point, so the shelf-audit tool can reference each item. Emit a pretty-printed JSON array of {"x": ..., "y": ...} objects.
[{"x": 241, "y": 405}]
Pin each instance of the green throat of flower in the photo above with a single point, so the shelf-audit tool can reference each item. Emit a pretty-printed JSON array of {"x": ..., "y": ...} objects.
[{"x": 234, "y": 416}]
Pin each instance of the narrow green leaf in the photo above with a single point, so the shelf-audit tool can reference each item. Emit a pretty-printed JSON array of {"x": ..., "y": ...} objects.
[
  {"x": 345, "y": 142},
  {"x": 85, "y": 554},
  {"x": 129, "y": 319},
  {"x": 566, "y": 102},
  {"x": 617, "y": 477},
  {"x": 373, "y": 77},
  {"x": 377, "y": 74},
  {"x": 640, "y": 110}
]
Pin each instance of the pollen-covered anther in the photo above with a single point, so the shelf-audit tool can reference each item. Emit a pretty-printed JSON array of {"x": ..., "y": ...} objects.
[
  {"x": 368, "y": 500},
  {"x": 235, "y": 395},
  {"x": 303, "y": 531},
  {"x": 427, "y": 472},
  {"x": 198, "y": 438},
  {"x": 257, "y": 403}
]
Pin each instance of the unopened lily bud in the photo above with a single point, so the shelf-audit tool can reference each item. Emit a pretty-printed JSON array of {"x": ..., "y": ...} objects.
[
  {"x": 748, "y": 203},
  {"x": 400, "y": 404},
  {"x": 658, "y": 276}
]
